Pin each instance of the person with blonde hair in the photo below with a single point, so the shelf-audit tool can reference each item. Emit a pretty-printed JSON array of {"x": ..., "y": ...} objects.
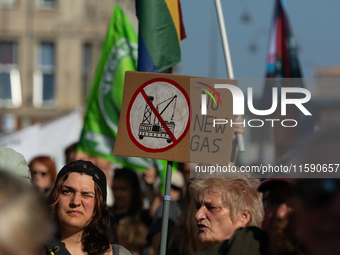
[{"x": 229, "y": 214}]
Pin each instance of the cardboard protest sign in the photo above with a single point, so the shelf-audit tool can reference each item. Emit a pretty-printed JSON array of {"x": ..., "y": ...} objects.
[
  {"x": 161, "y": 119},
  {"x": 211, "y": 135}
]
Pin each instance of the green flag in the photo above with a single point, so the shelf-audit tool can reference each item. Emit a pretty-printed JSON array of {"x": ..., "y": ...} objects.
[{"x": 119, "y": 54}]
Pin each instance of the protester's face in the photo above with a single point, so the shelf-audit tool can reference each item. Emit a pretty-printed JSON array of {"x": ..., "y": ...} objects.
[
  {"x": 41, "y": 176},
  {"x": 279, "y": 219},
  {"x": 122, "y": 194},
  {"x": 175, "y": 193},
  {"x": 186, "y": 171},
  {"x": 76, "y": 202},
  {"x": 213, "y": 219},
  {"x": 278, "y": 208}
]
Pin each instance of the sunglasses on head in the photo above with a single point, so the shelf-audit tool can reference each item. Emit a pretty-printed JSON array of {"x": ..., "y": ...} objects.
[
  {"x": 317, "y": 192},
  {"x": 175, "y": 188}
]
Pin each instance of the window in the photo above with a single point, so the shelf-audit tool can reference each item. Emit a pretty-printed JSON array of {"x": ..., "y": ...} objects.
[
  {"x": 10, "y": 86},
  {"x": 8, "y": 3},
  {"x": 86, "y": 70},
  {"x": 44, "y": 77},
  {"x": 46, "y": 3},
  {"x": 9, "y": 123}
]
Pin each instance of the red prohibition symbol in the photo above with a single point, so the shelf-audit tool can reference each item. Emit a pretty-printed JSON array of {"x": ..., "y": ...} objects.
[{"x": 158, "y": 115}]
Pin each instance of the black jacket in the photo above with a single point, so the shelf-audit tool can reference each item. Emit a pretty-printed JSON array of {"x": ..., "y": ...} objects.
[
  {"x": 245, "y": 241},
  {"x": 55, "y": 247}
]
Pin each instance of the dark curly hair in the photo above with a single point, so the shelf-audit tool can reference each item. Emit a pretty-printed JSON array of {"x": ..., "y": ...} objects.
[{"x": 97, "y": 236}]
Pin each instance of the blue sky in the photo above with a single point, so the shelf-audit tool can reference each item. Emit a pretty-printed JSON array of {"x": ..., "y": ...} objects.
[{"x": 315, "y": 25}]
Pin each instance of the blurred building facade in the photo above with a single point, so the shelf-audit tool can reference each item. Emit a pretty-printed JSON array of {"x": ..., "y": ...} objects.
[
  {"x": 49, "y": 50},
  {"x": 327, "y": 96}
]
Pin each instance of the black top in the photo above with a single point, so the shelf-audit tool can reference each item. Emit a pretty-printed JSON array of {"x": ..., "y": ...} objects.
[{"x": 245, "y": 241}]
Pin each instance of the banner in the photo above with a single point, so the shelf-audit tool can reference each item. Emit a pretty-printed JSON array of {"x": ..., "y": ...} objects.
[
  {"x": 161, "y": 30},
  {"x": 282, "y": 62},
  {"x": 48, "y": 139},
  {"x": 119, "y": 54}
]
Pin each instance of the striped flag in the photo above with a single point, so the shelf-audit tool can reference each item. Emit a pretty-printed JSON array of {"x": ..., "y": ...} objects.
[
  {"x": 282, "y": 56},
  {"x": 282, "y": 62},
  {"x": 161, "y": 30}
]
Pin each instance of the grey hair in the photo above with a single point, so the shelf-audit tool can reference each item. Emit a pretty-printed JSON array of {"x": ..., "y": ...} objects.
[{"x": 237, "y": 194}]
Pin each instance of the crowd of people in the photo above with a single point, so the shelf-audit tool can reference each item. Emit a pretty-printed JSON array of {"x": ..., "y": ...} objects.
[{"x": 92, "y": 207}]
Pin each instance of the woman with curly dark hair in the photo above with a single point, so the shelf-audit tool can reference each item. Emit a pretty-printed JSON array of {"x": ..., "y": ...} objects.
[{"x": 78, "y": 204}]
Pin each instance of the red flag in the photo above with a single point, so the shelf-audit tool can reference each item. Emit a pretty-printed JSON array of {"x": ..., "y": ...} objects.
[{"x": 282, "y": 62}]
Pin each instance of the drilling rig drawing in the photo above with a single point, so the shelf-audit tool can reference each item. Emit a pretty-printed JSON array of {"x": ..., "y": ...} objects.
[{"x": 156, "y": 129}]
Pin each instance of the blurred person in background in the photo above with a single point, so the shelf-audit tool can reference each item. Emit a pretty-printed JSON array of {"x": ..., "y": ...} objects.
[
  {"x": 43, "y": 172},
  {"x": 131, "y": 234},
  {"x": 229, "y": 214},
  {"x": 318, "y": 202},
  {"x": 318, "y": 215},
  {"x": 152, "y": 194},
  {"x": 70, "y": 152},
  {"x": 107, "y": 167},
  {"x": 279, "y": 217},
  {"x": 25, "y": 225},
  {"x": 78, "y": 205},
  {"x": 14, "y": 162},
  {"x": 128, "y": 197},
  {"x": 185, "y": 226},
  {"x": 175, "y": 208},
  {"x": 177, "y": 185},
  {"x": 185, "y": 169}
]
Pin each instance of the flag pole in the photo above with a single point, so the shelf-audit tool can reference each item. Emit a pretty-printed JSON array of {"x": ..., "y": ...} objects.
[
  {"x": 227, "y": 58},
  {"x": 166, "y": 206}
]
